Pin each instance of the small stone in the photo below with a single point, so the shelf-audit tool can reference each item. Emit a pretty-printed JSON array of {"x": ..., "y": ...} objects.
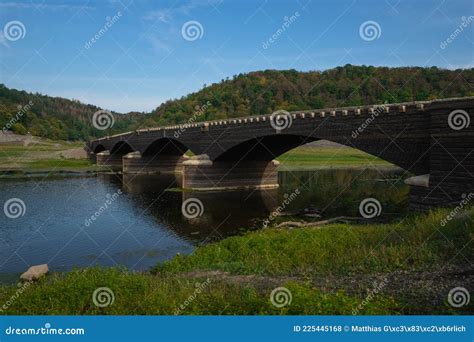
[{"x": 35, "y": 272}]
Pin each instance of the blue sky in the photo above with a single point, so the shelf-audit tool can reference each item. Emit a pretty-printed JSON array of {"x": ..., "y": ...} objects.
[{"x": 142, "y": 58}]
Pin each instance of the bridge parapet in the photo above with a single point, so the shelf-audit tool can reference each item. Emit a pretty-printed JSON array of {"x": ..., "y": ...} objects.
[{"x": 302, "y": 114}]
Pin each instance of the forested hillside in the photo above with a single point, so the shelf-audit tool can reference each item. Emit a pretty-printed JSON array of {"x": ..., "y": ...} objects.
[
  {"x": 53, "y": 117},
  {"x": 266, "y": 91},
  {"x": 260, "y": 92}
]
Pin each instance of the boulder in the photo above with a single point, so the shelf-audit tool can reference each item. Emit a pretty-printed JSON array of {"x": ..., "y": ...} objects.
[
  {"x": 421, "y": 180},
  {"x": 35, "y": 272}
]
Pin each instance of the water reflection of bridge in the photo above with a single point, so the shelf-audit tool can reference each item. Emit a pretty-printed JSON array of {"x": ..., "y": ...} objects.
[
  {"x": 331, "y": 192},
  {"x": 222, "y": 214}
]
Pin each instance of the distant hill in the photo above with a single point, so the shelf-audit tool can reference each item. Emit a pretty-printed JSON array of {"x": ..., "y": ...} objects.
[
  {"x": 260, "y": 92},
  {"x": 263, "y": 92},
  {"x": 53, "y": 117}
]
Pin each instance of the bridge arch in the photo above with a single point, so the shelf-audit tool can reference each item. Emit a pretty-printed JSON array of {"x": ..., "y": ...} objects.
[
  {"x": 122, "y": 148},
  {"x": 99, "y": 148},
  {"x": 264, "y": 148},
  {"x": 165, "y": 146},
  {"x": 163, "y": 155},
  {"x": 269, "y": 147}
]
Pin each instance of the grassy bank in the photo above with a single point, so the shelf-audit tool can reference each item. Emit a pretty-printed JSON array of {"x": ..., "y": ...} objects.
[
  {"x": 328, "y": 270},
  {"x": 43, "y": 154},
  {"x": 310, "y": 157},
  {"x": 336, "y": 249}
]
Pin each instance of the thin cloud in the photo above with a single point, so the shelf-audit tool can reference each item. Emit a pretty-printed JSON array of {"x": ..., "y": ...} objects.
[
  {"x": 166, "y": 15},
  {"x": 3, "y": 40},
  {"x": 56, "y": 7},
  {"x": 160, "y": 42},
  {"x": 161, "y": 15}
]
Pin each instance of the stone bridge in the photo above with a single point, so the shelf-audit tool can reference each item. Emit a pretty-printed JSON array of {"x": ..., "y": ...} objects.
[{"x": 433, "y": 140}]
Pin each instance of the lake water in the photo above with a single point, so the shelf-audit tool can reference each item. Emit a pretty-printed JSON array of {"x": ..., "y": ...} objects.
[{"x": 138, "y": 222}]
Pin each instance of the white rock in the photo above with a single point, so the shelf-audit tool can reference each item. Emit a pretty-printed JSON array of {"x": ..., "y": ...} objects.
[
  {"x": 422, "y": 180},
  {"x": 35, "y": 272}
]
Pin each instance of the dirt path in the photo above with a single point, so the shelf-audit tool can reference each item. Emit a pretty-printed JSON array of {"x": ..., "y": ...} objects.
[
  {"x": 73, "y": 153},
  {"x": 420, "y": 290}
]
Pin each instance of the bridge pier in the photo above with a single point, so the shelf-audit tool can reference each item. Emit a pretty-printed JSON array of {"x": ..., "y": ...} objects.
[
  {"x": 111, "y": 161},
  {"x": 201, "y": 173},
  {"x": 419, "y": 188},
  {"x": 165, "y": 164},
  {"x": 450, "y": 182},
  {"x": 431, "y": 195}
]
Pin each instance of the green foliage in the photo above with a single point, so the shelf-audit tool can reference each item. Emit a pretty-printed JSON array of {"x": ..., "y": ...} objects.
[
  {"x": 53, "y": 117},
  {"x": 263, "y": 92}
]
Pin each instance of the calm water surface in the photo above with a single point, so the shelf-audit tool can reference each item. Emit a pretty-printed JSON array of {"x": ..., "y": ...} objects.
[{"x": 144, "y": 225}]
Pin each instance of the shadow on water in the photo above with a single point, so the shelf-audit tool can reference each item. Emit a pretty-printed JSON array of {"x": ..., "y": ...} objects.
[
  {"x": 226, "y": 213},
  {"x": 221, "y": 214},
  {"x": 145, "y": 224}
]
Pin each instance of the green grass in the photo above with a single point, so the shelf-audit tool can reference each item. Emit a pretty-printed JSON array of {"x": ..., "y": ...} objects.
[
  {"x": 419, "y": 242},
  {"x": 41, "y": 155},
  {"x": 147, "y": 294},
  {"x": 324, "y": 157},
  {"x": 60, "y": 164}
]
